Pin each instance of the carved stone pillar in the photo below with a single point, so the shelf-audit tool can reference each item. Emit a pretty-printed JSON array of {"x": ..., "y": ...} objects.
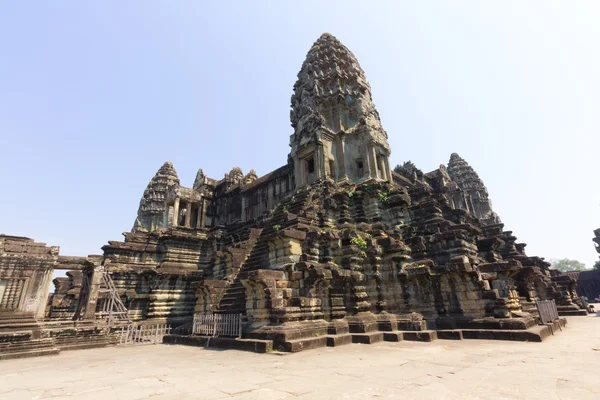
[
  {"x": 188, "y": 214},
  {"x": 372, "y": 162},
  {"x": 176, "y": 212},
  {"x": 320, "y": 161},
  {"x": 298, "y": 171},
  {"x": 199, "y": 217},
  {"x": 388, "y": 172},
  {"x": 94, "y": 281}
]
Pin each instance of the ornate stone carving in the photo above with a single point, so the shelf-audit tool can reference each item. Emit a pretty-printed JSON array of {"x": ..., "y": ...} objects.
[{"x": 152, "y": 205}]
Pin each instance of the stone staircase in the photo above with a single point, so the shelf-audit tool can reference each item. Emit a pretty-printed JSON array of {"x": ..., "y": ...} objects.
[{"x": 234, "y": 299}]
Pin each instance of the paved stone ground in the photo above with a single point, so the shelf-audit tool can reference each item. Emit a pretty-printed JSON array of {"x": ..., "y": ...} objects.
[{"x": 566, "y": 366}]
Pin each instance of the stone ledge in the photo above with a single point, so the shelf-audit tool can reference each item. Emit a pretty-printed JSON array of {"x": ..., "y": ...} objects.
[
  {"x": 338, "y": 340},
  {"x": 367, "y": 338},
  {"x": 450, "y": 335},
  {"x": 257, "y": 346},
  {"x": 422, "y": 336},
  {"x": 393, "y": 336},
  {"x": 572, "y": 313},
  {"x": 294, "y": 346},
  {"x": 31, "y": 353}
]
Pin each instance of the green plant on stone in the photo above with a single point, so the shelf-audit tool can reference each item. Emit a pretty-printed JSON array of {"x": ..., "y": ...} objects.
[
  {"x": 361, "y": 244},
  {"x": 284, "y": 209},
  {"x": 383, "y": 197},
  {"x": 276, "y": 227}
]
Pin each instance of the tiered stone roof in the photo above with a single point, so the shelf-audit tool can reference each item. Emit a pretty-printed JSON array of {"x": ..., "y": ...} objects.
[
  {"x": 152, "y": 204},
  {"x": 464, "y": 175},
  {"x": 331, "y": 76}
]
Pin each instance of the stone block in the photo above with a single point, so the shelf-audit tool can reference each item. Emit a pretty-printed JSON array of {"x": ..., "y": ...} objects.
[
  {"x": 393, "y": 336},
  {"x": 338, "y": 340},
  {"x": 450, "y": 335},
  {"x": 423, "y": 336},
  {"x": 367, "y": 338},
  {"x": 473, "y": 295}
]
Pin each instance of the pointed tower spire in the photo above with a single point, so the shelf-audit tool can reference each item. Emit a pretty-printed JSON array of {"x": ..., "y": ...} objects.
[
  {"x": 152, "y": 205},
  {"x": 464, "y": 175},
  {"x": 333, "y": 113},
  {"x": 475, "y": 191}
]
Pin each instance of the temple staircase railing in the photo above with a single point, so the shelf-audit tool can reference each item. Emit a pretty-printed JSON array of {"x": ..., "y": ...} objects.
[
  {"x": 113, "y": 308},
  {"x": 217, "y": 325}
]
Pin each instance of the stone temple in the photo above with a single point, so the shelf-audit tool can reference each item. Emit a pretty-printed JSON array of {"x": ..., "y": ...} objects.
[{"x": 332, "y": 247}]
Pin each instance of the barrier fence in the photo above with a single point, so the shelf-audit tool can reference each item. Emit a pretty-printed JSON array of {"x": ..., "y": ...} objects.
[
  {"x": 217, "y": 325},
  {"x": 547, "y": 310},
  {"x": 149, "y": 334}
]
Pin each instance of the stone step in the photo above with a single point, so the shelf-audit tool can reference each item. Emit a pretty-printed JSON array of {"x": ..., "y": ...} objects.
[
  {"x": 572, "y": 313},
  {"x": 450, "y": 334},
  {"x": 393, "y": 336},
  {"x": 86, "y": 345},
  {"x": 367, "y": 338},
  {"x": 255, "y": 345},
  {"x": 31, "y": 353},
  {"x": 535, "y": 334},
  {"x": 294, "y": 346},
  {"x": 420, "y": 336},
  {"x": 338, "y": 340},
  {"x": 17, "y": 325},
  {"x": 28, "y": 345}
]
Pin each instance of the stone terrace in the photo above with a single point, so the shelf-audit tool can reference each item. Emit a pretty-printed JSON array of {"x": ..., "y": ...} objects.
[{"x": 563, "y": 367}]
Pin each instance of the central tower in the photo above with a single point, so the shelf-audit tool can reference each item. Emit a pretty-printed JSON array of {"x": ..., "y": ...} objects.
[{"x": 337, "y": 130}]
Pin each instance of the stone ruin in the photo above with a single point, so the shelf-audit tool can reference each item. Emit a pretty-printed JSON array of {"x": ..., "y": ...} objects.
[
  {"x": 588, "y": 282},
  {"x": 332, "y": 247}
]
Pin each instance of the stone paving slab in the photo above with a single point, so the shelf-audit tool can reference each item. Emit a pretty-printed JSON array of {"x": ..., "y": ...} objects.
[{"x": 564, "y": 366}]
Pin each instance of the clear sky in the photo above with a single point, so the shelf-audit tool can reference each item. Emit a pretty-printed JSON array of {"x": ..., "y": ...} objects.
[{"x": 96, "y": 96}]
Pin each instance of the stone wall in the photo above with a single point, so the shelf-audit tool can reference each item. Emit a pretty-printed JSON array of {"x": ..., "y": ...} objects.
[{"x": 26, "y": 269}]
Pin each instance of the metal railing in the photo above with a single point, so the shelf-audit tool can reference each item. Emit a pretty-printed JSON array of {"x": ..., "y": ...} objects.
[
  {"x": 149, "y": 334},
  {"x": 217, "y": 325},
  {"x": 547, "y": 310}
]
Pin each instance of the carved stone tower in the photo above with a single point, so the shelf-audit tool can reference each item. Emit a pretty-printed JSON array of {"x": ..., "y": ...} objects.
[
  {"x": 475, "y": 192},
  {"x": 152, "y": 205},
  {"x": 337, "y": 130}
]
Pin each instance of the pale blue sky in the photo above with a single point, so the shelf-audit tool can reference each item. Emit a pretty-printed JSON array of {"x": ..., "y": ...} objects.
[{"x": 95, "y": 96}]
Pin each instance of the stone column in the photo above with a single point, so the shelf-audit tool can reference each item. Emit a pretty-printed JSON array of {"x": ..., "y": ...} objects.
[
  {"x": 204, "y": 207},
  {"x": 44, "y": 293},
  {"x": 176, "y": 213},
  {"x": 199, "y": 217},
  {"x": 341, "y": 160},
  {"x": 166, "y": 216},
  {"x": 95, "y": 280},
  {"x": 188, "y": 213},
  {"x": 372, "y": 162},
  {"x": 298, "y": 171},
  {"x": 388, "y": 171},
  {"x": 243, "y": 208},
  {"x": 320, "y": 161}
]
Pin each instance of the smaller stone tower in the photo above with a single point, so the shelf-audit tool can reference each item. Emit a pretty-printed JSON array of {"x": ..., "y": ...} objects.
[
  {"x": 337, "y": 130},
  {"x": 474, "y": 191},
  {"x": 152, "y": 205}
]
